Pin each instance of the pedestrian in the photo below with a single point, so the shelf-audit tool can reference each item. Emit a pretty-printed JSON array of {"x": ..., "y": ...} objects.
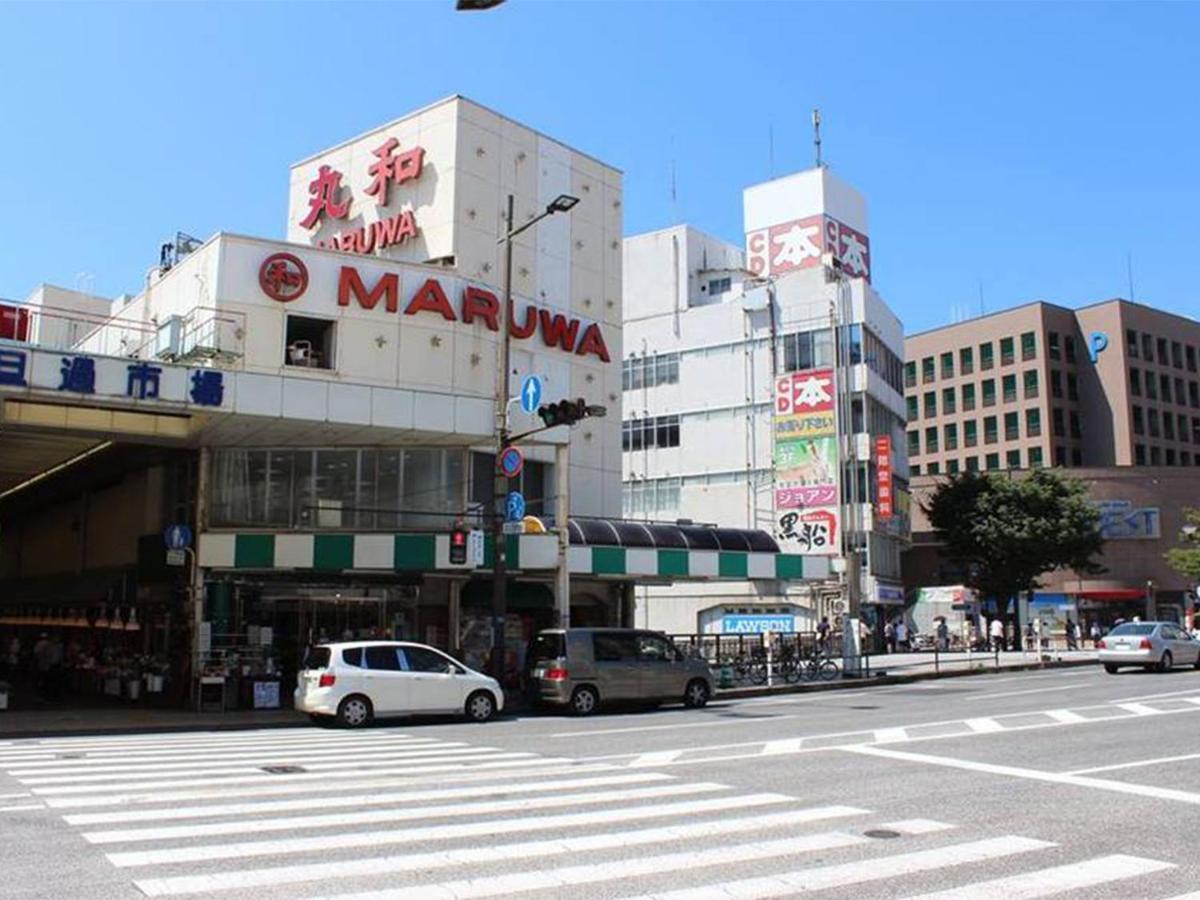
[
  {"x": 889, "y": 636},
  {"x": 1095, "y": 634},
  {"x": 864, "y": 636},
  {"x": 42, "y": 661},
  {"x": 1030, "y": 640},
  {"x": 1072, "y": 635},
  {"x": 997, "y": 634},
  {"x": 943, "y": 635},
  {"x": 902, "y": 634},
  {"x": 823, "y": 636}
]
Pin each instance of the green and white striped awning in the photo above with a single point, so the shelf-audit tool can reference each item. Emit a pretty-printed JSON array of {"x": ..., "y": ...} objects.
[{"x": 409, "y": 552}]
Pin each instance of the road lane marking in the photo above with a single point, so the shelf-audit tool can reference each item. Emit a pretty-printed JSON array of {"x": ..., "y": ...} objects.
[
  {"x": 1144, "y": 791},
  {"x": 1139, "y": 709},
  {"x": 405, "y": 814},
  {"x": 1046, "y": 882},
  {"x": 325, "y": 843},
  {"x": 17, "y": 796},
  {"x": 984, "y": 726},
  {"x": 840, "y": 875},
  {"x": 1065, "y": 716},
  {"x": 916, "y": 826},
  {"x": 1161, "y": 696},
  {"x": 1135, "y": 765},
  {"x": 539, "y": 849},
  {"x": 1041, "y": 690},
  {"x": 677, "y": 727},
  {"x": 23, "y": 807},
  {"x": 655, "y": 758}
]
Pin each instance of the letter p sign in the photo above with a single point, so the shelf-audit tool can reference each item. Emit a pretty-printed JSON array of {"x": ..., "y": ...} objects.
[{"x": 1097, "y": 342}]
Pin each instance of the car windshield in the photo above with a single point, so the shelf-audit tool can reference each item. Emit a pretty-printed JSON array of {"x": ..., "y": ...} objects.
[
  {"x": 317, "y": 658},
  {"x": 1132, "y": 629},
  {"x": 546, "y": 647}
]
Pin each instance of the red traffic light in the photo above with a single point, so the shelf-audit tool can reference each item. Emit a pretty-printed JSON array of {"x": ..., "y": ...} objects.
[{"x": 458, "y": 546}]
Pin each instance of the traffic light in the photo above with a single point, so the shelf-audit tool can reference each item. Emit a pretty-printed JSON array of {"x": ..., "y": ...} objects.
[
  {"x": 458, "y": 547},
  {"x": 564, "y": 412}
]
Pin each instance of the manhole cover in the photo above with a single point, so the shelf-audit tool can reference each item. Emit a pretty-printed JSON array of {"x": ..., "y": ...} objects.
[
  {"x": 70, "y": 756},
  {"x": 864, "y": 707},
  {"x": 283, "y": 770},
  {"x": 881, "y": 833}
]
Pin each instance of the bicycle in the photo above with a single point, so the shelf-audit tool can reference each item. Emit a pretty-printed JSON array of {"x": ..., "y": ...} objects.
[{"x": 823, "y": 668}]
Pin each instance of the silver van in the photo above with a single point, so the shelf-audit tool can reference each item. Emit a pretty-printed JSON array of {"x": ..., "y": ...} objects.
[{"x": 580, "y": 668}]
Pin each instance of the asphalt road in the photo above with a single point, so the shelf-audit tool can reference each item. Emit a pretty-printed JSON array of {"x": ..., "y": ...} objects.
[{"x": 1066, "y": 783}]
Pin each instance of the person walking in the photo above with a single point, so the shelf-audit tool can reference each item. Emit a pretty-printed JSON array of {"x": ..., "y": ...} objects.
[
  {"x": 823, "y": 636},
  {"x": 1072, "y": 635},
  {"x": 889, "y": 636},
  {"x": 997, "y": 632},
  {"x": 902, "y": 634},
  {"x": 1095, "y": 634},
  {"x": 943, "y": 635}
]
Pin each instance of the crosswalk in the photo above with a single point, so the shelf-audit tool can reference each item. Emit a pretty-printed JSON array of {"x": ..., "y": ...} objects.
[{"x": 394, "y": 814}]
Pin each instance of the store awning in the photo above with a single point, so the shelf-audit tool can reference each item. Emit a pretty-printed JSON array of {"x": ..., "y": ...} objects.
[
  {"x": 619, "y": 533},
  {"x": 1130, "y": 594}
]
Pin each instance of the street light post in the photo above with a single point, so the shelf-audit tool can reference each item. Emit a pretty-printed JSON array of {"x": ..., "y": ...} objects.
[{"x": 562, "y": 203}]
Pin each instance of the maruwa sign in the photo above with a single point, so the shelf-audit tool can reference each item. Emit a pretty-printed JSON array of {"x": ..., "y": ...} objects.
[{"x": 284, "y": 278}]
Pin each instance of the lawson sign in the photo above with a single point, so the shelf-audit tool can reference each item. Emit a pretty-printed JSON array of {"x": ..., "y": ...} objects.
[{"x": 757, "y": 624}]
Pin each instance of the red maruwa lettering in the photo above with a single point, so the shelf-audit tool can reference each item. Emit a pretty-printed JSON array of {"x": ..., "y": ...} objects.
[
  {"x": 390, "y": 168},
  {"x": 593, "y": 342},
  {"x": 430, "y": 296},
  {"x": 324, "y": 189},
  {"x": 558, "y": 330},
  {"x": 481, "y": 303},
  {"x": 387, "y": 287}
]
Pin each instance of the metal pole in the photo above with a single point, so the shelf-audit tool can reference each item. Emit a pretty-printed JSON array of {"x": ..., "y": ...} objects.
[
  {"x": 562, "y": 456},
  {"x": 500, "y": 552},
  {"x": 196, "y": 581}
]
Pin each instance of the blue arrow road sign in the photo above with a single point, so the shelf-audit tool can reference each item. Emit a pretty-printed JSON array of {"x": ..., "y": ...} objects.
[
  {"x": 514, "y": 506},
  {"x": 511, "y": 461},
  {"x": 531, "y": 393},
  {"x": 177, "y": 537}
]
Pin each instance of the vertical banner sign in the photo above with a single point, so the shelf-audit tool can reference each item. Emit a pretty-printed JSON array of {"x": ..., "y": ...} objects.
[
  {"x": 806, "y": 462},
  {"x": 883, "y": 477}
]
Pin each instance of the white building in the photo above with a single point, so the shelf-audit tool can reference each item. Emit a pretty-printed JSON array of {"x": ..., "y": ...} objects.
[{"x": 709, "y": 330}]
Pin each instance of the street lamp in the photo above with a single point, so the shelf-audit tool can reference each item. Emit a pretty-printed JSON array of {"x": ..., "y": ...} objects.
[{"x": 561, "y": 203}]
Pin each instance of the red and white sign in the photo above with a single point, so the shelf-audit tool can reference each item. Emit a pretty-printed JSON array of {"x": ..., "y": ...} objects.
[
  {"x": 799, "y": 244},
  {"x": 883, "y": 477},
  {"x": 283, "y": 277},
  {"x": 810, "y": 391}
]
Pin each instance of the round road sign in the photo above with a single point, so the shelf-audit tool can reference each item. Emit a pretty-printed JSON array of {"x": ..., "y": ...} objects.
[{"x": 512, "y": 460}]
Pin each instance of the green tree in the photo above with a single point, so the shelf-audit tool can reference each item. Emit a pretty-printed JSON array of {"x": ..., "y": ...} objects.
[
  {"x": 1185, "y": 559},
  {"x": 1006, "y": 532}
]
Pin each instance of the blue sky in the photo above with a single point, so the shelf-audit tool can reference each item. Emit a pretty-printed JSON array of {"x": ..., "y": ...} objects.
[{"x": 1023, "y": 147}]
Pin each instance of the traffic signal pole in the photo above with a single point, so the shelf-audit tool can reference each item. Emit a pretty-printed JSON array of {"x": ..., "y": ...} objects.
[{"x": 500, "y": 487}]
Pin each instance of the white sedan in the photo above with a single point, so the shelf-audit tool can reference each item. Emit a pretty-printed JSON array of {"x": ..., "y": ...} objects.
[
  {"x": 355, "y": 682},
  {"x": 1151, "y": 645}
]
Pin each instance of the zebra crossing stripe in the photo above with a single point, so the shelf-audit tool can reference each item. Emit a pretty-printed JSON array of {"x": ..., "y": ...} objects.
[
  {"x": 1047, "y": 882},
  {"x": 326, "y": 772},
  {"x": 825, "y": 876},
  {"x": 841, "y": 875},
  {"x": 167, "y": 743},
  {"x": 328, "y": 783},
  {"x": 550, "y": 823},
  {"x": 358, "y": 801},
  {"x": 373, "y": 817},
  {"x": 528, "y": 850}
]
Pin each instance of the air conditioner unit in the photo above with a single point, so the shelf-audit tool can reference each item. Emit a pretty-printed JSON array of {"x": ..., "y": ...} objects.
[
  {"x": 329, "y": 513},
  {"x": 168, "y": 342}
]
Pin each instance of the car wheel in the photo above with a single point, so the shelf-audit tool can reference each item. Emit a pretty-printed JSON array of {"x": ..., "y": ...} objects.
[
  {"x": 584, "y": 701},
  {"x": 1167, "y": 662},
  {"x": 1110, "y": 668},
  {"x": 481, "y": 706},
  {"x": 696, "y": 694},
  {"x": 355, "y": 711}
]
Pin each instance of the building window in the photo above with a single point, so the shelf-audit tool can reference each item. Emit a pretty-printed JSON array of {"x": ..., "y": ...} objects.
[
  {"x": 1007, "y": 351},
  {"x": 1135, "y": 382},
  {"x": 990, "y": 432},
  {"x": 1170, "y": 457},
  {"x": 1195, "y": 430},
  {"x": 914, "y": 443},
  {"x": 1194, "y": 394},
  {"x": 911, "y": 402},
  {"x": 1164, "y": 386},
  {"x": 914, "y": 469},
  {"x": 970, "y": 433},
  {"x": 927, "y": 370},
  {"x": 1155, "y": 456},
  {"x": 951, "y": 436},
  {"x": 992, "y": 461},
  {"x": 653, "y": 498},
  {"x": 1139, "y": 454},
  {"x": 1012, "y": 459},
  {"x": 948, "y": 401},
  {"x": 968, "y": 397},
  {"x": 1190, "y": 353},
  {"x": 952, "y": 466},
  {"x": 1056, "y": 384},
  {"x": 1054, "y": 351},
  {"x": 1131, "y": 342},
  {"x": 910, "y": 374},
  {"x": 1072, "y": 386},
  {"x": 1185, "y": 458},
  {"x": 1180, "y": 399},
  {"x": 989, "y": 392},
  {"x": 947, "y": 365},
  {"x": 933, "y": 468},
  {"x": 1076, "y": 431},
  {"x": 1076, "y": 456},
  {"x": 1183, "y": 428},
  {"x": 1161, "y": 345},
  {"x": 1177, "y": 354},
  {"x": 640, "y": 372},
  {"x": 931, "y": 404},
  {"x": 1028, "y": 346},
  {"x": 1012, "y": 426},
  {"x": 1033, "y": 422},
  {"x": 1059, "y": 422},
  {"x": 717, "y": 286},
  {"x": 1152, "y": 417},
  {"x": 1031, "y": 384},
  {"x": 1147, "y": 348},
  {"x": 1151, "y": 386},
  {"x": 972, "y": 463},
  {"x": 1060, "y": 456},
  {"x": 1139, "y": 423},
  {"x": 1069, "y": 345},
  {"x": 1168, "y": 421},
  {"x": 931, "y": 439},
  {"x": 986, "y": 359},
  {"x": 310, "y": 343},
  {"x": 1009, "y": 385},
  {"x": 654, "y": 431},
  {"x": 1035, "y": 457},
  {"x": 966, "y": 361},
  {"x": 806, "y": 349}
]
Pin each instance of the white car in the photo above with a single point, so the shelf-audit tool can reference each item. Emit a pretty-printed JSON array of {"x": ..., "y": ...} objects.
[
  {"x": 357, "y": 681},
  {"x": 1152, "y": 645}
]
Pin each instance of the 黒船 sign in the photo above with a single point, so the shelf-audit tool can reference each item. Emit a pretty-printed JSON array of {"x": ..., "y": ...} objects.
[{"x": 814, "y": 532}]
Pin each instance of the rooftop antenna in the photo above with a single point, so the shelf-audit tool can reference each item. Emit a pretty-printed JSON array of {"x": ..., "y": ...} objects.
[
  {"x": 1129, "y": 270},
  {"x": 982, "y": 308},
  {"x": 816, "y": 120}
]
